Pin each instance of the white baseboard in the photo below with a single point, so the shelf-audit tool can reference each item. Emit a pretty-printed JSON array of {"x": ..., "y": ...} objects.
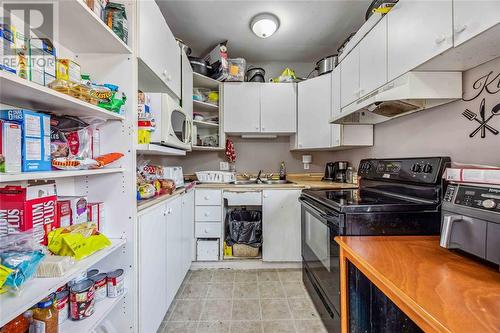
[{"x": 244, "y": 264}]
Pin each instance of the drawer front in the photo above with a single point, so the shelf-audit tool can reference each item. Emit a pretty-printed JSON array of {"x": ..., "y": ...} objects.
[
  {"x": 251, "y": 198},
  {"x": 208, "y": 230},
  {"x": 207, "y": 250},
  {"x": 208, "y": 213},
  {"x": 208, "y": 197}
]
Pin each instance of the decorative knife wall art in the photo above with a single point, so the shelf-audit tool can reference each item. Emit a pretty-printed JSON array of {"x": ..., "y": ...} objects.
[{"x": 490, "y": 84}]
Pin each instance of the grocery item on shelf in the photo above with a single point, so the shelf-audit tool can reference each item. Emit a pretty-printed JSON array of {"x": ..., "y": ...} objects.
[
  {"x": 78, "y": 208},
  {"x": 45, "y": 318},
  {"x": 236, "y": 70},
  {"x": 10, "y": 147},
  {"x": 77, "y": 241},
  {"x": 54, "y": 266},
  {"x": 20, "y": 324},
  {"x": 288, "y": 75},
  {"x": 9, "y": 52},
  {"x": 29, "y": 206},
  {"x": 145, "y": 191},
  {"x": 144, "y": 105},
  {"x": 65, "y": 163},
  {"x": 61, "y": 304},
  {"x": 95, "y": 213},
  {"x": 97, "y": 6},
  {"x": 109, "y": 158},
  {"x": 115, "y": 283},
  {"x": 81, "y": 300},
  {"x": 92, "y": 272},
  {"x": 100, "y": 285},
  {"x": 68, "y": 70},
  {"x": 116, "y": 18},
  {"x": 42, "y": 61},
  {"x": 63, "y": 215},
  {"x": 108, "y": 97},
  {"x": 218, "y": 59},
  {"x": 35, "y": 131}
]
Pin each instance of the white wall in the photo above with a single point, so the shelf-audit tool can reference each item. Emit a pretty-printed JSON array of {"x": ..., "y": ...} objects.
[{"x": 274, "y": 68}]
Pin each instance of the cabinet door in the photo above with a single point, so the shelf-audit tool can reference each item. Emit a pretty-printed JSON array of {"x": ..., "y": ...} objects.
[
  {"x": 187, "y": 85},
  {"x": 473, "y": 17},
  {"x": 152, "y": 269},
  {"x": 281, "y": 233},
  {"x": 349, "y": 77},
  {"x": 373, "y": 59},
  {"x": 314, "y": 110},
  {"x": 416, "y": 32},
  {"x": 188, "y": 244},
  {"x": 157, "y": 46},
  {"x": 278, "y": 108},
  {"x": 241, "y": 107},
  {"x": 174, "y": 247},
  {"x": 336, "y": 110}
]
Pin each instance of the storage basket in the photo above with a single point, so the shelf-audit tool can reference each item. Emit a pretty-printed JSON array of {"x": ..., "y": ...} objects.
[
  {"x": 215, "y": 177},
  {"x": 243, "y": 250}
]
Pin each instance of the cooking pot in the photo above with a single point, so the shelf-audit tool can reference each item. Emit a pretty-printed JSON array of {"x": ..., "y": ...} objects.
[
  {"x": 183, "y": 46},
  {"x": 199, "y": 66},
  {"x": 255, "y": 74},
  {"x": 327, "y": 64}
]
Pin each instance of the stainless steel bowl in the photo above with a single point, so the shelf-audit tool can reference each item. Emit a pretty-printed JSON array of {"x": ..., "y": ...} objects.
[{"x": 327, "y": 64}]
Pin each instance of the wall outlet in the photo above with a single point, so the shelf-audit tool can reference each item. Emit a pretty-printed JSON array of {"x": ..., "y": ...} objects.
[{"x": 224, "y": 166}]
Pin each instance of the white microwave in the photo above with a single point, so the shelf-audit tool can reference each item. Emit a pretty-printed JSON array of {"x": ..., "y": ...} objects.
[{"x": 173, "y": 125}]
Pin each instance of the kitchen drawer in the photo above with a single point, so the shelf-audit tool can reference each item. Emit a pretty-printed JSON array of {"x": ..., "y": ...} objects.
[
  {"x": 208, "y": 197},
  {"x": 248, "y": 198},
  {"x": 208, "y": 213},
  {"x": 207, "y": 229},
  {"x": 207, "y": 249}
]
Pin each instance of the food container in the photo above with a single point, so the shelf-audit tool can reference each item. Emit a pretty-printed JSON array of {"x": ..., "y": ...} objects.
[
  {"x": 68, "y": 70},
  {"x": 100, "y": 286},
  {"x": 244, "y": 250},
  {"x": 115, "y": 283},
  {"x": 10, "y": 147},
  {"x": 45, "y": 318},
  {"x": 92, "y": 272},
  {"x": 236, "y": 72},
  {"x": 61, "y": 303},
  {"x": 82, "y": 302}
]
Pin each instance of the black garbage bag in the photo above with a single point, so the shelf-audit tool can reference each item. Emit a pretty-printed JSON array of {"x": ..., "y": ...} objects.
[{"x": 245, "y": 227}]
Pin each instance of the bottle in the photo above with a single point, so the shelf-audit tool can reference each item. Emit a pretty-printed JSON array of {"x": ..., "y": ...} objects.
[
  {"x": 282, "y": 171},
  {"x": 349, "y": 174},
  {"x": 45, "y": 316}
]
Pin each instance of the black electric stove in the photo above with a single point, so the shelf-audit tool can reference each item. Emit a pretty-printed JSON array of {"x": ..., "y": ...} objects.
[{"x": 396, "y": 197}]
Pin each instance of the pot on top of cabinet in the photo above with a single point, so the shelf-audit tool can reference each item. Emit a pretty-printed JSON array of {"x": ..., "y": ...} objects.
[
  {"x": 255, "y": 74},
  {"x": 327, "y": 64}
]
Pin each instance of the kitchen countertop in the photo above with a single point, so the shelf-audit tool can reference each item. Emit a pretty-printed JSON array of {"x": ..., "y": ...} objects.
[
  {"x": 144, "y": 204},
  {"x": 441, "y": 291}
]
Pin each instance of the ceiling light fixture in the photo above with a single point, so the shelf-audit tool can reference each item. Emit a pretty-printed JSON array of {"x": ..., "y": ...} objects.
[{"x": 264, "y": 25}]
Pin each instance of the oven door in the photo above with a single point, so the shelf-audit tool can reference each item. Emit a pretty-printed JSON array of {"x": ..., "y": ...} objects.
[{"x": 320, "y": 252}]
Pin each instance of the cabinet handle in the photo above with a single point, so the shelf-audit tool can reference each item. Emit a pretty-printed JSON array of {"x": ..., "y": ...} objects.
[
  {"x": 206, "y": 198},
  {"x": 448, "y": 221},
  {"x": 265, "y": 195},
  {"x": 257, "y": 127},
  {"x": 441, "y": 39},
  {"x": 263, "y": 128},
  {"x": 207, "y": 213},
  {"x": 460, "y": 28},
  {"x": 205, "y": 231}
]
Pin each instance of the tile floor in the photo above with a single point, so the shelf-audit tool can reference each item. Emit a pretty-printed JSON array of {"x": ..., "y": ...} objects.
[{"x": 243, "y": 301}]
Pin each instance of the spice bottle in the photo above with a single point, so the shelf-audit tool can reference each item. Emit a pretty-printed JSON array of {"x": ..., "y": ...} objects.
[{"x": 282, "y": 171}]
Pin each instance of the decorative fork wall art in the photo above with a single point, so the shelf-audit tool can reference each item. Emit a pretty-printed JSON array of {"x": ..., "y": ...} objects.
[{"x": 482, "y": 120}]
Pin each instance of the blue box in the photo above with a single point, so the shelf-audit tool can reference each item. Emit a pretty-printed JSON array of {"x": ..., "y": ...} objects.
[{"x": 35, "y": 138}]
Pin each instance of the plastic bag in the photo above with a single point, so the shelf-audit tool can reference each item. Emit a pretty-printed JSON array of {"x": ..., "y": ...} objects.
[
  {"x": 245, "y": 227},
  {"x": 77, "y": 241},
  {"x": 4, "y": 274},
  {"x": 236, "y": 69},
  {"x": 288, "y": 75}
]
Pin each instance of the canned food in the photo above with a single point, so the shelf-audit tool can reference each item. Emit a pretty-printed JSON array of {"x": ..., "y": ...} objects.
[
  {"x": 100, "y": 286},
  {"x": 61, "y": 303},
  {"x": 81, "y": 276},
  {"x": 81, "y": 298},
  {"x": 92, "y": 272},
  {"x": 115, "y": 283}
]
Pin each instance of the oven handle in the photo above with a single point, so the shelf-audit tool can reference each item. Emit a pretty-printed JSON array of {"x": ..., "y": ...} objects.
[{"x": 326, "y": 217}]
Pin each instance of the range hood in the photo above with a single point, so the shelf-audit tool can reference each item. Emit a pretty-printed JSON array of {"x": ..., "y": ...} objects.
[{"x": 411, "y": 92}]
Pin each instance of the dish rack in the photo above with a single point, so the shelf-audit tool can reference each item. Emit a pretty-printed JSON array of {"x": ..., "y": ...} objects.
[{"x": 216, "y": 177}]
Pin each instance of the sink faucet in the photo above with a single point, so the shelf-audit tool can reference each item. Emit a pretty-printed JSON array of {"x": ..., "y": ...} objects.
[{"x": 259, "y": 181}]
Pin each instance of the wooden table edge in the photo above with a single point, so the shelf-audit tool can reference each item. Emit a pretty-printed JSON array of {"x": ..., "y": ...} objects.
[{"x": 411, "y": 308}]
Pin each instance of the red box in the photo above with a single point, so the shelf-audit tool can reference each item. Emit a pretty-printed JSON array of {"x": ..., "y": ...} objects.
[
  {"x": 95, "y": 213},
  {"x": 63, "y": 213},
  {"x": 29, "y": 207}
]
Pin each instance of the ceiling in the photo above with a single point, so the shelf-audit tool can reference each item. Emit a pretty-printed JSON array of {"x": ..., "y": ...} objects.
[{"x": 309, "y": 30}]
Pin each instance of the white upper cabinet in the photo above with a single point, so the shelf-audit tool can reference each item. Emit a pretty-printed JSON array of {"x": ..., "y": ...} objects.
[
  {"x": 373, "y": 59},
  {"x": 241, "y": 107},
  {"x": 278, "y": 104},
  {"x": 157, "y": 47},
  {"x": 349, "y": 76},
  {"x": 471, "y": 17},
  {"x": 417, "y": 31},
  {"x": 314, "y": 109},
  {"x": 336, "y": 86},
  {"x": 187, "y": 85},
  {"x": 251, "y": 107}
]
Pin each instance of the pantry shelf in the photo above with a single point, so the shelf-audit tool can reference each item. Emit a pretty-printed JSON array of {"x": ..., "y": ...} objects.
[
  {"x": 6, "y": 177},
  {"x": 38, "y": 288},
  {"x": 202, "y": 81},
  {"x": 152, "y": 149},
  {"x": 205, "y": 124},
  {"x": 97, "y": 36},
  {"x": 102, "y": 309},
  {"x": 25, "y": 94},
  {"x": 204, "y": 106}
]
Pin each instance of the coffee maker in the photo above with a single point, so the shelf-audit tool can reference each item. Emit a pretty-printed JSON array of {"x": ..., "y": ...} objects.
[{"x": 336, "y": 172}]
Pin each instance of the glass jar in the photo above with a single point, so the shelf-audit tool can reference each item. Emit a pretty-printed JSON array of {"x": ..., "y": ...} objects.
[
  {"x": 45, "y": 316},
  {"x": 17, "y": 325}
]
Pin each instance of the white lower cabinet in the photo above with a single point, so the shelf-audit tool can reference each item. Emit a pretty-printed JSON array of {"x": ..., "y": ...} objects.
[
  {"x": 281, "y": 230},
  {"x": 207, "y": 249},
  {"x": 165, "y": 254}
]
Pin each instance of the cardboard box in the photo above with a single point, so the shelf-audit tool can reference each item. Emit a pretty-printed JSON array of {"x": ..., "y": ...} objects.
[
  {"x": 10, "y": 147},
  {"x": 95, "y": 213},
  {"x": 63, "y": 213},
  {"x": 8, "y": 55},
  {"x": 25, "y": 207},
  {"x": 485, "y": 175},
  {"x": 42, "y": 60},
  {"x": 35, "y": 138},
  {"x": 68, "y": 70},
  {"x": 78, "y": 206}
]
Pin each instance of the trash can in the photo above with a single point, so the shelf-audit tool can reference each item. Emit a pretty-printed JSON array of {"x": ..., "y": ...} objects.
[{"x": 245, "y": 232}]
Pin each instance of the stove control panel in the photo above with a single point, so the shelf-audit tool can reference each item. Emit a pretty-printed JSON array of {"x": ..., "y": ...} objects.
[
  {"x": 418, "y": 170},
  {"x": 479, "y": 197}
]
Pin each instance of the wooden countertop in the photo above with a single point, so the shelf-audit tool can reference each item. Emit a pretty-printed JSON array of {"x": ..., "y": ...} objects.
[
  {"x": 144, "y": 204},
  {"x": 441, "y": 291}
]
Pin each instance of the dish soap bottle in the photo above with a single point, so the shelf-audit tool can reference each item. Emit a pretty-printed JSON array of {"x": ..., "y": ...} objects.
[{"x": 282, "y": 171}]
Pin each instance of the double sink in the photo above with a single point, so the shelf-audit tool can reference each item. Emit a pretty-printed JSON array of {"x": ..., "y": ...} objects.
[{"x": 262, "y": 182}]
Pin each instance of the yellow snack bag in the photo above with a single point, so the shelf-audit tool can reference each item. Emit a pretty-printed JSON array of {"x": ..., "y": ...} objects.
[
  {"x": 77, "y": 241},
  {"x": 4, "y": 273}
]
